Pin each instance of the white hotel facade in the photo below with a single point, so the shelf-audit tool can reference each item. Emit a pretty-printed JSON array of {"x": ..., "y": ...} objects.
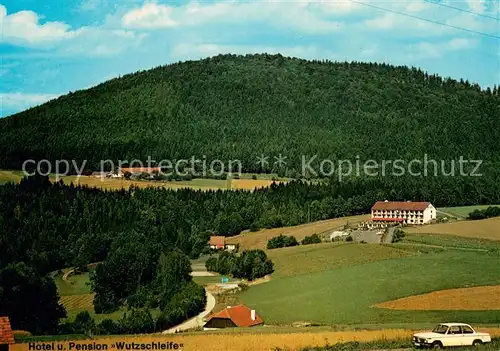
[{"x": 406, "y": 212}]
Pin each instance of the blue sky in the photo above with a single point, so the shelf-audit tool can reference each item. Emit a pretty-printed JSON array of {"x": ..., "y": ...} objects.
[{"x": 51, "y": 47}]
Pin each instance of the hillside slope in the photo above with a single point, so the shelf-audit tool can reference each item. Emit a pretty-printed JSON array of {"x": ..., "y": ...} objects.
[{"x": 238, "y": 107}]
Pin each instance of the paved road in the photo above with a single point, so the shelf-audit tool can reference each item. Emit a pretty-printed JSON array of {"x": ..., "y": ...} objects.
[
  {"x": 197, "y": 321},
  {"x": 390, "y": 234}
]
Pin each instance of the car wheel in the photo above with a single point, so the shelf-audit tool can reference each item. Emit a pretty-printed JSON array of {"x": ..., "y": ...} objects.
[
  {"x": 437, "y": 345},
  {"x": 477, "y": 343}
]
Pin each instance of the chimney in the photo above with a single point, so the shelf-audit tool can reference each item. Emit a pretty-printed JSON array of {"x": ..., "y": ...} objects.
[{"x": 252, "y": 314}]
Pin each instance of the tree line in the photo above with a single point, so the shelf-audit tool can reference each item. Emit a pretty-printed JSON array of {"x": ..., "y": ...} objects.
[{"x": 490, "y": 212}]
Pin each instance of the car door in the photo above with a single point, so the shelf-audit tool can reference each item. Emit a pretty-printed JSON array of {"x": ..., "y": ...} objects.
[
  {"x": 468, "y": 335},
  {"x": 454, "y": 336}
]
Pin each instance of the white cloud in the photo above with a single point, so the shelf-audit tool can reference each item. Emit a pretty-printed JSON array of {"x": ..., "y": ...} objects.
[
  {"x": 57, "y": 39},
  {"x": 151, "y": 15},
  {"x": 298, "y": 15},
  {"x": 22, "y": 101},
  {"x": 99, "y": 42},
  {"x": 24, "y": 27},
  {"x": 438, "y": 49}
]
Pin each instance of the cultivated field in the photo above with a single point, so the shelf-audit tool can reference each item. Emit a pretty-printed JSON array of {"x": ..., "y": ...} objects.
[
  {"x": 259, "y": 239},
  {"x": 10, "y": 176},
  {"x": 260, "y": 338},
  {"x": 481, "y": 298},
  {"x": 485, "y": 228},
  {"x": 251, "y": 184},
  {"x": 363, "y": 277},
  {"x": 76, "y": 296},
  {"x": 117, "y": 183}
]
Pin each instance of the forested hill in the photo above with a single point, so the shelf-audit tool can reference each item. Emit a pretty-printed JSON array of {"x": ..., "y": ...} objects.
[{"x": 238, "y": 107}]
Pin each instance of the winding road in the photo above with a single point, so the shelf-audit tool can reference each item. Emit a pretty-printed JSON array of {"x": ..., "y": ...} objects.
[{"x": 197, "y": 321}]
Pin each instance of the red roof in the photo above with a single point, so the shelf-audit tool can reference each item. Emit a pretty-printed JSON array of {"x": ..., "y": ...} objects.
[
  {"x": 388, "y": 219},
  {"x": 217, "y": 241},
  {"x": 400, "y": 205},
  {"x": 241, "y": 315},
  {"x": 6, "y": 336}
]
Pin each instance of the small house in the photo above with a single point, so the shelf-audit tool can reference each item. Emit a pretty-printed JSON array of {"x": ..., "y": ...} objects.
[
  {"x": 217, "y": 242},
  {"x": 6, "y": 336},
  {"x": 336, "y": 235},
  {"x": 232, "y": 317},
  {"x": 230, "y": 247}
]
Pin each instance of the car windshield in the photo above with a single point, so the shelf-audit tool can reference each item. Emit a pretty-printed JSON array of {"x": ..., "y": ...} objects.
[{"x": 441, "y": 329}]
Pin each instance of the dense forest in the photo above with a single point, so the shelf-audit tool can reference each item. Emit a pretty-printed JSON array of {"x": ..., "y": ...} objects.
[{"x": 238, "y": 107}]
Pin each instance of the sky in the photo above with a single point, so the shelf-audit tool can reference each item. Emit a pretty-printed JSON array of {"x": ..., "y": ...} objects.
[{"x": 51, "y": 47}]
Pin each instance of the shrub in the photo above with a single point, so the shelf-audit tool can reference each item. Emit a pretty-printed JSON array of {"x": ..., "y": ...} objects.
[
  {"x": 137, "y": 321},
  {"x": 282, "y": 241},
  {"x": 398, "y": 235},
  {"x": 183, "y": 305},
  {"x": 254, "y": 177},
  {"x": 109, "y": 327},
  {"x": 313, "y": 239},
  {"x": 84, "y": 323},
  {"x": 349, "y": 238}
]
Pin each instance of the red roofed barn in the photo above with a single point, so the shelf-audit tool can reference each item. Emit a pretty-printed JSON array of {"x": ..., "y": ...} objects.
[
  {"x": 405, "y": 212},
  {"x": 236, "y": 316},
  {"x": 217, "y": 242},
  {"x": 6, "y": 336}
]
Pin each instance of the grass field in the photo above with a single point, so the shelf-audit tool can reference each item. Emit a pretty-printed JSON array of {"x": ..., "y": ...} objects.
[
  {"x": 345, "y": 294},
  {"x": 485, "y": 228},
  {"x": 259, "y": 239},
  {"x": 298, "y": 260},
  {"x": 463, "y": 211}
]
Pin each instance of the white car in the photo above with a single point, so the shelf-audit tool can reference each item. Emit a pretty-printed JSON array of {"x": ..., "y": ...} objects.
[{"x": 450, "y": 334}]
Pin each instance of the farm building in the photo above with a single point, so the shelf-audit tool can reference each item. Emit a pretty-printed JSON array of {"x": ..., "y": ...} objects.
[
  {"x": 135, "y": 171},
  {"x": 403, "y": 212},
  {"x": 231, "y": 317},
  {"x": 217, "y": 242},
  {"x": 6, "y": 336}
]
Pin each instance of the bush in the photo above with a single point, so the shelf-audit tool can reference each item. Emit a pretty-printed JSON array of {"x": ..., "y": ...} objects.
[
  {"x": 254, "y": 227},
  {"x": 109, "y": 327},
  {"x": 186, "y": 304},
  {"x": 313, "y": 239},
  {"x": 282, "y": 241},
  {"x": 137, "y": 321},
  {"x": 349, "y": 238},
  {"x": 398, "y": 235},
  {"x": 254, "y": 177},
  {"x": 84, "y": 323}
]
